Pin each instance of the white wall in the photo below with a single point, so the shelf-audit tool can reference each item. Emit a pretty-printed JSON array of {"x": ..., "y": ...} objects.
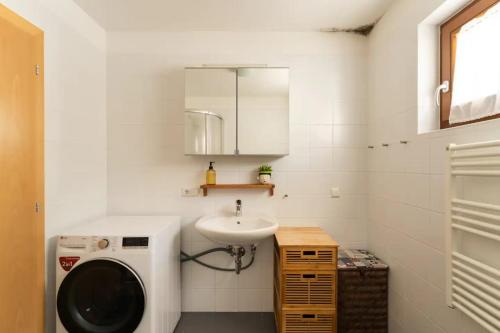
[
  {"x": 406, "y": 193},
  {"x": 75, "y": 120},
  {"x": 147, "y": 168}
]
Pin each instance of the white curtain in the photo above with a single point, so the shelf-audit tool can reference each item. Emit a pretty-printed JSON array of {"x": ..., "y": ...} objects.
[{"x": 476, "y": 81}]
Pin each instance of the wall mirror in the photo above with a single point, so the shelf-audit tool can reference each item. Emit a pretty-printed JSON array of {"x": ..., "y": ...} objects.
[{"x": 237, "y": 111}]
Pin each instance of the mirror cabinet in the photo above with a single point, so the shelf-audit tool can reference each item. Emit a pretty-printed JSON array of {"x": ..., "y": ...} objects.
[{"x": 236, "y": 111}]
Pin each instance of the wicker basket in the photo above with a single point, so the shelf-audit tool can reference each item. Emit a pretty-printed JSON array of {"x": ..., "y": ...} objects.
[{"x": 362, "y": 293}]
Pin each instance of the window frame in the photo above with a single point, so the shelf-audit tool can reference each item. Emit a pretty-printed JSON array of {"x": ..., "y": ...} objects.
[{"x": 447, "y": 56}]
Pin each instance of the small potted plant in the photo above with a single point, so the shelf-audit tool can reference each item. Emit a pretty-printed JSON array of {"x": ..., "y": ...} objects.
[{"x": 265, "y": 171}]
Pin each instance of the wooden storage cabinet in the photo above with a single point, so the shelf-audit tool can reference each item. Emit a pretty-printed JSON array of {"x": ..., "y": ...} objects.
[{"x": 305, "y": 281}]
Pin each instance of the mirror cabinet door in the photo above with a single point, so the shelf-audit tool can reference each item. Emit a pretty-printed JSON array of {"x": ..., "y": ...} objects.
[
  {"x": 210, "y": 111},
  {"x": 263, "y": 103}
]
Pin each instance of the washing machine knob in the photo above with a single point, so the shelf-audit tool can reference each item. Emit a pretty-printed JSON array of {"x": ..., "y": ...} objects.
[{"x": 103, "y": 243}]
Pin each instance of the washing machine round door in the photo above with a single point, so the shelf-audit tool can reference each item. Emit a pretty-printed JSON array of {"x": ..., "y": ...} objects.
[{"x": 101, "y": 296}]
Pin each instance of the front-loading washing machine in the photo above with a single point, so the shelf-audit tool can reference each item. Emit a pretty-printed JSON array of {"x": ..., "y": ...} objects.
[{"x": 120, "y": 274}]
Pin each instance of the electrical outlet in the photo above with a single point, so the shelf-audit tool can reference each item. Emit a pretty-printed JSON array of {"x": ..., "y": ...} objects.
[{"x": 190, "y": 192}]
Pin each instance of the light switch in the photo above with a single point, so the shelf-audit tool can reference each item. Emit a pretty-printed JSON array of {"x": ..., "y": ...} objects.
[{"x": 335, "y": 192}]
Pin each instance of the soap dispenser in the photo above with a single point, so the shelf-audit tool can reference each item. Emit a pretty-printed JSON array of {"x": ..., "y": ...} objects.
[{"x": 211, "y": 175}]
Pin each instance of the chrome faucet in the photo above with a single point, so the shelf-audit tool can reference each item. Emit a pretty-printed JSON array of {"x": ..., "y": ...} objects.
[{"x": 238, "y": 207}]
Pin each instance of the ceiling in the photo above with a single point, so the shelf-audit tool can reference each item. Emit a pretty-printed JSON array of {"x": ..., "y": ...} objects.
[{"x": 232, "y": 15}]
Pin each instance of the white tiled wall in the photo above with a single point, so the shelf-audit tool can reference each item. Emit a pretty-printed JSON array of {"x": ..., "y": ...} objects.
[
  {"x": 406, "y": 193},
  {"x": 75, "y": 121},
  {"x": 147, "y": 168}
]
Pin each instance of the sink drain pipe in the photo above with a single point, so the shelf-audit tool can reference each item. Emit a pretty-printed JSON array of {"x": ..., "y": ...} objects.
[{"x": 236, "y": 251}]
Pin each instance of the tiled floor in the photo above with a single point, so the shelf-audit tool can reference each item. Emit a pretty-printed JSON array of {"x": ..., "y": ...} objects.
[{"x": 226, "y": 322}]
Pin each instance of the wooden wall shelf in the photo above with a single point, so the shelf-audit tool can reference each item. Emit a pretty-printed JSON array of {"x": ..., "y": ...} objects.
[{"x": 269, "y": 187}]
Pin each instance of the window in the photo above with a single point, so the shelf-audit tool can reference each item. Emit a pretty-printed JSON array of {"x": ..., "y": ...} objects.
[{"x": 470, "y": 65}]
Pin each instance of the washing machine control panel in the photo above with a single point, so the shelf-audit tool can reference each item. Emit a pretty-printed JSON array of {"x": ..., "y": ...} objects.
[{"x": 103, "y": 243}]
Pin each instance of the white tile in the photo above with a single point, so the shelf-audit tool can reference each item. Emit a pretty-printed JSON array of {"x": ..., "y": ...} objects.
[
  {"x": 299, "y": 136},
  {"x": 440, "y": 313},
  {"x": 298, "y": 160},
  {"x": 252, "y": 278},
  {"x": 350, "y": 182},
  {"x": 226, "y": 300},
  {"x": 437, "y": 193},
  {"x": 321, "y": 159},
  {"x": 435, "y": 231},
  {"x": 227, "y": 280},
  {"x": 417, "y": 156},
  {"x": 310, "y": 183},
  {"x": 349, "y": 206},
  {"x": 250, "y": 300},
  {"x": 349, "y": 159},
  {"x": 396, "y": 305},
  {"x": 395, "y": 326},
  {"x": 321, "y": 135},
  {"x": 292, "y": 207},
  {"x": 349, "y": 112},
  {"x": 418, "y": 289},
  {"x": 201, "y": 277},
  {"x": 415, "y": 221},
  {"x": 198, "y": 300},
  {"x": 438, "y": 154},
  {"x": 436, "y": 268},
  {"x": 325, "y": 207},
  {"x": 267, "y": 300},
  {"x": 419, "y": 323},
  {"x": 350, "y": 136},
  {"x": 397, "y": 186},
  {"x": 417, "y": 190}
]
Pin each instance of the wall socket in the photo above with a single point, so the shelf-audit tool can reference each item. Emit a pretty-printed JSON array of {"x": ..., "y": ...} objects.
[{"x": 190, "y": 192}]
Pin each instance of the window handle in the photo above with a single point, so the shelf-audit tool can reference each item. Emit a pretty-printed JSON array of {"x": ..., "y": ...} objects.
[{"x": 444, "y": 87}]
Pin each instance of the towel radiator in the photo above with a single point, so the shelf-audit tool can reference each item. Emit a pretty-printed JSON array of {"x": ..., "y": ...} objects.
[{"x": 473, "y": 284}]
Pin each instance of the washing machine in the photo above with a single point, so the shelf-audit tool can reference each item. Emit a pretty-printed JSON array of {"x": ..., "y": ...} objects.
[{"x": 120, "y": 274}]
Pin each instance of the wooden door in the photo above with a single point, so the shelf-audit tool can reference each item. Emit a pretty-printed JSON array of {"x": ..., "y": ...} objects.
[{"x": 21, "y": 176}]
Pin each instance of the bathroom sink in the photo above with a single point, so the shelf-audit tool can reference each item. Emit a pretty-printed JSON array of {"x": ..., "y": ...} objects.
[{"x": 237, "y": 231}]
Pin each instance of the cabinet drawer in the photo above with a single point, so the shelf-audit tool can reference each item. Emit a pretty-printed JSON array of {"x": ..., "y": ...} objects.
[
  {"x": 304, "y": 288},
  {"x": 309, "y": 258},
  {"x": 308, "y": 321}
]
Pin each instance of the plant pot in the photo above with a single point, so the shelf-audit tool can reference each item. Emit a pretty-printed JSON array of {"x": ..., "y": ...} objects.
[{"x": 264, "y": 178}]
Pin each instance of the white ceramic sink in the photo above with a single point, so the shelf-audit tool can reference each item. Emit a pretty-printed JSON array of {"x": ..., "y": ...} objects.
[{"x": 233, "y": 230}]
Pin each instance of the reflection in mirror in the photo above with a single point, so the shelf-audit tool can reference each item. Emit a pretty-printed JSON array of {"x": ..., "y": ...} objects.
[
  {"x": 210, "y": 116},
  {"x": 204, "y": 132},
  {"x": 194, "y": 133},
  {"x": 263, "y": 102}
]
